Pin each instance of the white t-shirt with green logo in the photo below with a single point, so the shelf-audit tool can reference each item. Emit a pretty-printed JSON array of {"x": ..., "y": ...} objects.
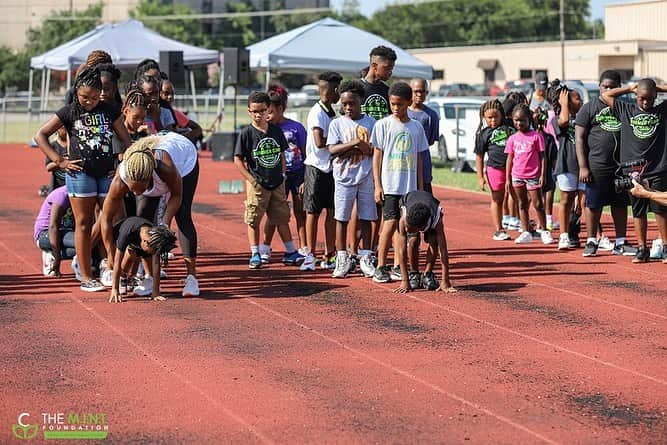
[{"x": 400, "y": 144}]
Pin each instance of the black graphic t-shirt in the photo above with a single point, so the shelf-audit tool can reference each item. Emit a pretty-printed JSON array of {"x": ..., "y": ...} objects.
[
  {"x": 492, "y": 141},
  {"x": 90, "y": 137},
  {"x": 604, "y": 130},
  {"x": 376, "y": 99},
  {"x": 261, "y": 151},
  {"x": 126, "y": 234},
  {"x": 566, "y": 160},
  {"x": 643, "y": 135}
]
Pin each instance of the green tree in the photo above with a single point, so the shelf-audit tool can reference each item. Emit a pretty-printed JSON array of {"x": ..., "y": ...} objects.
[
  {"x": 13, "y": 69},
  {"x": 55, "y": 31},
  {"x": 184, "y": 30}
]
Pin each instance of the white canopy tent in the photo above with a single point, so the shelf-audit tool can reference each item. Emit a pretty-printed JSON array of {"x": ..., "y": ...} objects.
[
  {"x": 128, "y": 43},
  {"x": 329, "y": 45}
]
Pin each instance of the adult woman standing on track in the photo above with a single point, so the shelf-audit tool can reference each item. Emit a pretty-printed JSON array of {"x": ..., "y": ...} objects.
[
  {"x": 151, "y": 168},
  {"x": 90, "y": 124}
]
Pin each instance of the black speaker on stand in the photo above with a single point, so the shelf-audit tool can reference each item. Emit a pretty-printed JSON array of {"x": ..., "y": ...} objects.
[
  {"x": 171, "y": 62},
  {"x": 237, "y": 71}
]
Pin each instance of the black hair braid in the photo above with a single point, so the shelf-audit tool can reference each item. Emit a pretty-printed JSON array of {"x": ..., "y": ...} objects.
[
  {"x": 86, "y": 77},
  {"x": 109, "y": 70},
  {"x": 162, "y": 240},
  {"x": 493, "y": 104},
  {"x": 525, "y": 109},
  {"x": 134, "y": 98},
  {"x": 146, "y": 65},
  {"x": 553, "y": 95}
]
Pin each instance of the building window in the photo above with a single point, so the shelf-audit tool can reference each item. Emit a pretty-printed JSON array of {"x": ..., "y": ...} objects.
[
  {"x": 438, "y": 74},
  {"x": 530, "y": 73}
]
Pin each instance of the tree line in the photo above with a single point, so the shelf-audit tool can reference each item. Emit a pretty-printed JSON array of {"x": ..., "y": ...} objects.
[{"x": 424, "y": 24}]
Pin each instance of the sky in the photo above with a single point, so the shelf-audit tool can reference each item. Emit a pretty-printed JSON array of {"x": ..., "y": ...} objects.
[{"x": 367, "y": 7}]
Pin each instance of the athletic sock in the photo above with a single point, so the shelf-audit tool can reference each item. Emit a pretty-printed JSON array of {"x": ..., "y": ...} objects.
[
  {"x": 289, "y": 246},
  {"x": 592, "y": 239},
  {"x": 254, "y": 250},
  {"x": 619, "y": 241},
  {"x": 506, "y": 218},
  {"x": 264, "y": 249}
]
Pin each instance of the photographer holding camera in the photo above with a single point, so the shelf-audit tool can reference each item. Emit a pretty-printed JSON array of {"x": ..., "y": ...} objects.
[{"x": 643, "y": 137}]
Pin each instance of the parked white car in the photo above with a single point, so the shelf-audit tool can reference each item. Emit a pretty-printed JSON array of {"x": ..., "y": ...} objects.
[{"x": 459, "y": 119}]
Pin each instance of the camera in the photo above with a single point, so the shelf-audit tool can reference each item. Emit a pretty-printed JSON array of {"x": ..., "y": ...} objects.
[{"x": 629, "y": 171}]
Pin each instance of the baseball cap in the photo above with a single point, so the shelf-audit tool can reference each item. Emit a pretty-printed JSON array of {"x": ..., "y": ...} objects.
[{"x": 541, "y": 81}]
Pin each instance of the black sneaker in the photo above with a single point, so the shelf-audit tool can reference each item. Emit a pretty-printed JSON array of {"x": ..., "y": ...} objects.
[
  {"x": 429, "y": 281},
  {"x": 396, "y": 273},
  {"x": 590, "y": 249},
  {"x": 642, "y": 255},
  {"x": 382, "y": 275},
  {"x": 624, "y": 249},
  {"x": 415, "y": 279},
  {"x": 92, "y": 285},
  {"x": 574, "y": 241}
]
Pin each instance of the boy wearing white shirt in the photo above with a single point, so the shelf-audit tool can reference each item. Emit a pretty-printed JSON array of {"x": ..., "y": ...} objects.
[
  {"x": 318, "y": 187},
  {"x": 397, "y": 166}
]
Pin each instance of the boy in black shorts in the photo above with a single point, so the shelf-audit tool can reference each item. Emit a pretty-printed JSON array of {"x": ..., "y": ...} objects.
[
  {"x": 643, "y": 136},
  {"x": 597, "y": 136},
  {"x": 421, "y": 212},
  {"x": 397, "y": 166}
]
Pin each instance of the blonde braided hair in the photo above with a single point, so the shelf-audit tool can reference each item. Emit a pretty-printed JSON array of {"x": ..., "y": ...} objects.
[{"x": 139, "y": 160}]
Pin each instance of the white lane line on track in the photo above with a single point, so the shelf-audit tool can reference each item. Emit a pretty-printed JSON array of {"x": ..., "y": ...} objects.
[
  {"x": 497, "y": 326},
  {"x": 402, "y": 372},
  {"x": 161, "y": 365}
]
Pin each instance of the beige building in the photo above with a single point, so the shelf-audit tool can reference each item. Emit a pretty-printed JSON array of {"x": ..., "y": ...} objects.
[
  {"x": 635, "y": 44},
  {"x": 16, "y": 16}
]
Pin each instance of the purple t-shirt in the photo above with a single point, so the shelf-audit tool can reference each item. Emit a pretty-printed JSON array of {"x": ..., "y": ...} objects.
[
  {"x": 295, "y": 133},
  {"x": 526, "y": 148},
  {"x": 60, "y": 198}
]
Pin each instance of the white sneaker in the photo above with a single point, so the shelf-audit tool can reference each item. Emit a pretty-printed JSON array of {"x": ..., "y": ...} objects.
[
  {"x": 546, "y": 237},
  {"x": 524, "y": 238},
  {"x": 76, "y": 268},
  {"x": 366, "y": 266},
  {"x": 103, "y": 267},
  {"x": 191, "y": 287},
  {"x": 342, "y": 266},
  {"x": 303, "y": 250},
  {"x": 163, "y": 273},
  {"x": 106, "y": 277},
  {"x": 656, "y": 249},
  {"x": 605, "y": 244},
  {"x": 308, "y": 263},
  {"x": 514, "y": 224},
  {"x": 265, "y": 255},
  {"x": 48, "y": 260},
  {"x": 145, "y": 288},
  {"x": 564, "y": 241}
]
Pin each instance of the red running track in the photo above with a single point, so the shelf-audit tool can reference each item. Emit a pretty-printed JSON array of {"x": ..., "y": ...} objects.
[{"x": 538, "y": 346}]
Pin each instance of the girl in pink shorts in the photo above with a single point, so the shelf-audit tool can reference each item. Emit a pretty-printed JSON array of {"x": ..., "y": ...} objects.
[
  {"x": 490, "y": 141},
  {"x": 526, "y": 170}
]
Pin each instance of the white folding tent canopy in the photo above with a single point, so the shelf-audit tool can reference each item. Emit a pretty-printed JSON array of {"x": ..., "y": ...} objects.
[
  {"x": 329, "y": 45},
  {"x": 128, "y": 43}
]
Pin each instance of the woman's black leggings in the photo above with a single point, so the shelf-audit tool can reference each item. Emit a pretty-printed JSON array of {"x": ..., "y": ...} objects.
[{"x": 187, "y": 235}]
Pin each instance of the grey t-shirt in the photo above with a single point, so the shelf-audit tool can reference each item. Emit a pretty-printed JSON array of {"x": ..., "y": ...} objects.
[
  {"x": 348, "y": 170},
  {"x": 400, "y": 144}
]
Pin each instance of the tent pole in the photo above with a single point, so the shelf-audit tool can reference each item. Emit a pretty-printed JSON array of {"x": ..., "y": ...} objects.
[
  {"x": 48, "y": 85},
  {"x": 30, "y": 80},
  {"x": 221, "y": 95},
  {"x": 69, "y": 77},
  {"x": 268, "y": 75},
  {"x": 194, "y": 90},
  {"x": 41, "y": 92}
]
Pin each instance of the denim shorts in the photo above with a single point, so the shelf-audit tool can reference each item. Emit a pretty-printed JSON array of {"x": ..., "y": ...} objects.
[{"x": 82, "y": 185}]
